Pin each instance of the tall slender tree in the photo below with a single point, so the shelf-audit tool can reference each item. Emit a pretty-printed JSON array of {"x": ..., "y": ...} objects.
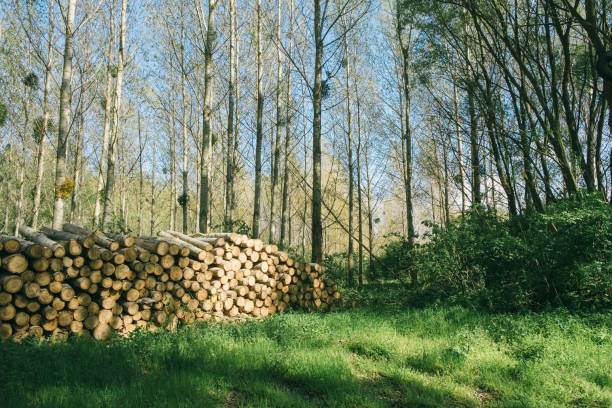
[{"x": 259, "y": 131}]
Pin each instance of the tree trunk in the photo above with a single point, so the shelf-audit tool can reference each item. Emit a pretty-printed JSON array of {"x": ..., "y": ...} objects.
[
  {"x": 369, "y": 209},
  {"x": 206, "y": 118},
  {"x": 185, "y": 194},
  {"x": 474, "y": 148},
  {"x": 459, "y": 147},
  {"x": 317, "y": 227},
  {"x": 236, "y": 117},
  {"x": 259, "y": 135},
  {"x": 108, "y": 103},
  {"x": 285, "y": 187},
  {"x": 62, "y": 185},
  {"x": 406, "y": 137},
  {"x": 152, "y": 213},
  {"x": 22, "y": 160},
  {"x": 349, "y": 142},
  {"x": 140, "y": 177},
  {"x": 305, "y": 201},
  {"x": 110, "y": 169},
  {"x": 446, "y": 189},
  {"x": 45, "y": 120},
  {"x": 276, "y": 156},
  {"x": 173, "y": 189},
  {"x": 229, "y": 152},
  {"x": 359, "y": 199},
  {"x": 76, "y": 172}
]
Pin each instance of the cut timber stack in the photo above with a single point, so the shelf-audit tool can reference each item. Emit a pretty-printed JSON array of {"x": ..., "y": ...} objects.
[{"x": 54, "y": 283}]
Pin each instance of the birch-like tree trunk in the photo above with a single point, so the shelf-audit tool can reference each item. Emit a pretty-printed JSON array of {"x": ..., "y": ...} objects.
[
  {"x": 110, "y": 169},
  {"x": 359, "y": 195},
  {"x": 474, "y": 147},
  {"x": 407, "y": 136},
  {"x": 349, "y": 143},
  {"x": 40, "y": 166},
  {"x": 236, "y": 115},
  {"x": 22, "y": 159},
  {"x": 173, "y": 190},
  {"x": 185, "y": 194},
  {"x": 259, "y": 131},
  {"x": 288, "y": 115},
  {"x": 276, "y": 147},
  {"x": 106, "y": 133},
  {"x": 206, "y": 118},
  {"x": 229, "y": 149},
  {"x": 62, "y": 188},
  {"x": 140, "y": 177},
  {"x": 76, "y": 171},
  {"x": 317, "y": 96},
  {"x": 459, "y": 145},
  {"x": 152, "y": 197}
]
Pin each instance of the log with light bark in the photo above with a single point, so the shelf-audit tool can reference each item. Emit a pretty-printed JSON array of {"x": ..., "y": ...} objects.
[
  {"x": 58, "y": 250},
  {"x": 98, "y": 237},
  {"x": 63, "y": 236}
]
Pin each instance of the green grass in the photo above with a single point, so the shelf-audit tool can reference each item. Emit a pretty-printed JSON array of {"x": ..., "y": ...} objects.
[{"x": 372, "y": 357}]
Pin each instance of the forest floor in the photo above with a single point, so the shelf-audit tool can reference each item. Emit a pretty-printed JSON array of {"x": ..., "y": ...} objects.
[{"x": 384, "y": 356}]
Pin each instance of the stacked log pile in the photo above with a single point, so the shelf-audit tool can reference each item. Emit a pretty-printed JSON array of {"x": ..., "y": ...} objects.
[{"x": 54, "y": 283}]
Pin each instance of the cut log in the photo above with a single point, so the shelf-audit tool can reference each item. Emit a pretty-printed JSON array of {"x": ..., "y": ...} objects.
[
  {"x": 10, "y": 244},
  {"x": 15, "y": 263},
  {"x": 194, "y": 251},
  {"x": 58, "y": 250},
  {"x": 156, "y": 246},
  {"x": 6, "y": 331},
  {"x": 7, "y": 312},
  {"x": 11, "y": 283},
  {"x": 126, "y": 241}
]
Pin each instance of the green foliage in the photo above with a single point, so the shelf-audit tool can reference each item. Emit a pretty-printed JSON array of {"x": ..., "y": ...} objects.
[
  {"x": 31, "y": 80},
  {"x": 370, "y": 357},
  {"x": 3, "y": 114},
  {"x": 37, "y": 126},
  {"x": 396, "y": 259},
  {"x": 532, "y": 261},
  {"x": 183, "y": 199},
  {"x": 117, "y": 225},
  {"x": 238, "y": 226}
]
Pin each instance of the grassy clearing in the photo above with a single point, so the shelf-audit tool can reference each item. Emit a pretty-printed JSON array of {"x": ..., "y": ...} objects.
[{"x": 375, "y": 357}]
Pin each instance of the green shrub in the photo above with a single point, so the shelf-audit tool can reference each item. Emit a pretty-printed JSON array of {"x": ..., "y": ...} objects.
[{"x": 531, "y": 261}]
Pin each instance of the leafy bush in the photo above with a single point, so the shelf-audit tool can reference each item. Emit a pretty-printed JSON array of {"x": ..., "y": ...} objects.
[{"x": 531, "y": 261}]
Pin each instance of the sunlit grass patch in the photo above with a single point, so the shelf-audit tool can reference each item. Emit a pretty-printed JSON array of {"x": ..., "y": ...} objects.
[{"x": 381, "y": 357}]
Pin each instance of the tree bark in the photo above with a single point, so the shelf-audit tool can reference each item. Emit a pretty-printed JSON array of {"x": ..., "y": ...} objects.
[
  {"x": 185, "y": 194},
  {"x": 45, "y": 120},
  {"x": 459, "y": 146},
  {"x": 276, "y": 149},
  {"x": 106, "y": 133},
  {"x": 285, "y": 187},
  {"x": 474, "y": 147},
  {"x": 406, "y": 137},
  {"x": 110, "y": 169},
  {"x": 173, "y": 189},
  {"x": 152, "y": 213},
  {"x": 229, "y": 152},
  {"x": 61, "y": 186},
  {"x": 76, "y": 172},
  {"x": 349, "y": 142},
  {"x": 22, "y": 160},
  {"x": 317, "y": 227},
  {"x": 140, "y": 177},
  {"x": 259, "y": 134},
  {"x": 359, "y": 199},
  {"x": 206, "y": 118}
]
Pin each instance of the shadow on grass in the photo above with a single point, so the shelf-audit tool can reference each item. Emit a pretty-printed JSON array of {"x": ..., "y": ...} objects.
[{"x": 194, "y": 368}]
